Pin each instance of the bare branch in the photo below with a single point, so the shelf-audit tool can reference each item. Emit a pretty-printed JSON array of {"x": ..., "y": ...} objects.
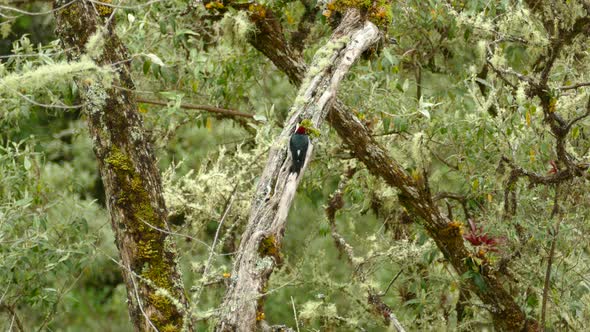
[
  {"x": 579, "y": 118},
  {"x": 535, "y": 178},
  {"x": 462, "y": 199},
  {"x": 565, "y": 37},
  {"x": 574, "y": 86},
  {"x": 335, "y": 203},
  {"x": 212, "y": 109},
  {"x": 391, "y": 283}
]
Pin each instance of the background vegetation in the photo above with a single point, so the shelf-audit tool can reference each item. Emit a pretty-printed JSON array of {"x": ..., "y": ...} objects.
[{"x": 446, "y": 93}]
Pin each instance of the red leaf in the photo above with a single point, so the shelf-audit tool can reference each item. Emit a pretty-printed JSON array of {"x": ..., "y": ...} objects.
[
  {"x": 477, "y": 237},
  {"x": 553, "y": 169}
]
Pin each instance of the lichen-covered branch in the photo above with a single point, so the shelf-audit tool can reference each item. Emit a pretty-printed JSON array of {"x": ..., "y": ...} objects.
[
  {"x": 259, "y": 252},
  {"x": 128, "y": 169},
  {"x": 336, "y": 203}
]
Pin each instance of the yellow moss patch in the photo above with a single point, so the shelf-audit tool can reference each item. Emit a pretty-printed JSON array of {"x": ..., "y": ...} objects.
[
  {"x": 105, "y": 10},
  {"x": 214, "y": 5},
  {"x": 453, "y": 230},
  {"x": 481, "y": 253},
  {"x": 310, "y": 129},
  {"x": 257, "y": 10},
  {"x": 71, "y": 10},
  {"x": 146, "y": 217},
  {"x": 157, "y": 272},
  {"x": 119, "y": 161},
  {"x": 170, "y": 328},
  {"x": 268, "y": 247},
  {"x": 133, "y": 192},
  {"x": 380, "y": 13},
  {"x": 146, "y": 249},
  {"x": 342, "y": 5}
]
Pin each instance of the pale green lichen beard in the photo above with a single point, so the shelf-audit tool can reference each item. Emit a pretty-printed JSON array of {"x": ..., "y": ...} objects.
[{"x": 49, "y": 75}]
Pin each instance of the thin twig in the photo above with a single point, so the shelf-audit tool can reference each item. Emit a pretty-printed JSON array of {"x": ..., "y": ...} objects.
[
  {"x": 132, "y": 275},
  {"x": 6, "y": 290},
  {"x": 146, "y": 281},
  {"x": 586, "y": 114},
  {"x": 108, "y": 4},
  {"x": 212, "y": 248},
  {"x": 550, "y": 257},
  {"x": 442, "y": 160},
  {"x": 574, "y": 86},
  {"x": 295, "y": 314},
  {"x": 36, "y": 103},
  {"x": 174, "y": 233},
  {"x": 548, "y": 273},
  {"x": 391, "y": 282},
  {"x": 24, "y": 12},
  {"x": 50, "y": 315},
  {"x": 212, "y": 109},
  {"x": 501, "y": 72},
  {"x": 15, "y": 318}
]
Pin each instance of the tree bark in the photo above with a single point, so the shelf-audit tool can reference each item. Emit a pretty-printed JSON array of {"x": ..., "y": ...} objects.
[
  {"x": 128, "y": 169},
  {"x": 259, "y": 252},
  {"x": 507, "y": 315}
]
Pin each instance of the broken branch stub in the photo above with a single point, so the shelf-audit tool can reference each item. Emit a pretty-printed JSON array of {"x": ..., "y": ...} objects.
[{"x": 259, "y": 251}]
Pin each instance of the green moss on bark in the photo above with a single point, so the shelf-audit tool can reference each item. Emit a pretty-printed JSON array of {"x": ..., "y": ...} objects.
[
  {"x": 268, "y": 247},
  {"x": 150, "y": 253}
]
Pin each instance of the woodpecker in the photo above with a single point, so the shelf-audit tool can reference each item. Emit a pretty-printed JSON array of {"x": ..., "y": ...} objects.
[{"x": 298, "y": 144}]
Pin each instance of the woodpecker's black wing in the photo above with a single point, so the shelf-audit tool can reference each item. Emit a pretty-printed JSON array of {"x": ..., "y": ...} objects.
[{"x": 298, "y": 145}]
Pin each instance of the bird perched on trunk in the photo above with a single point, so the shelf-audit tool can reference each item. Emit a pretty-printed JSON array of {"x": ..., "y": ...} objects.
[{"x": 299, "y": 143}]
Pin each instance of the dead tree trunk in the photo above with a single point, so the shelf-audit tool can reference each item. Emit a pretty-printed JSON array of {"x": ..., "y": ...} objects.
[
  {"x": 259, "y": 251},
  {"x": 128, "y": 169}
]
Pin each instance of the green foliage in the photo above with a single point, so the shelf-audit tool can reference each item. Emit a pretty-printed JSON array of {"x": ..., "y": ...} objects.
[
  {"x": 428, "y": 103},
  {"x": 47, "y": 233}
]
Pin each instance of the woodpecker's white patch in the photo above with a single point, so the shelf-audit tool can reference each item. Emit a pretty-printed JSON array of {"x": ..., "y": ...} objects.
[{"x": 298, "y": 153}]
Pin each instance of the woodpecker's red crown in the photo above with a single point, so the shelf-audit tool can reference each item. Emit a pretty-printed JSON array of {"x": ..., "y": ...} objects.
[{"x": 301, "y": 130}]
